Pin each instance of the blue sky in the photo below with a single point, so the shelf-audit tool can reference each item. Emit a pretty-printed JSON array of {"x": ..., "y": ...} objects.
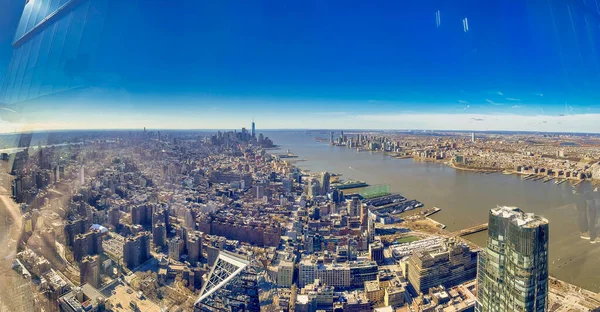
[{"x": 333, "y": 64}]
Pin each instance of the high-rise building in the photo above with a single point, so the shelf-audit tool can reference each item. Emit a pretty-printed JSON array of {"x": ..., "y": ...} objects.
[
  {"x": 194, "y": 247},
  {"x": 74, "y": 227},
  {"x": 141, "y": 214},
  {"x": 314, "y": 188},
  {"x": 331, "y": 137},
  {"x": 136, "y": 250},
  {"x": 89, "y": 243},
  {"x": 325, "y": 182},
  {"x": 89, "y": 271},
  {"x": 449, "y": 265},
  {"x": 512, "y": 272},
  {"x": 175, "y": 248},
  {"x": 114, "y": 216},
  {"x": 473, "y": 137},
  {"x": 253, "y": 129},
  {"x": 354, "y": 206},
  {"x": 159, "y": 234}
]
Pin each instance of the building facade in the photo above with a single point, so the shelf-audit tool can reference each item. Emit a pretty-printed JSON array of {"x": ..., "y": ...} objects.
[
  {"x": 513, "y": 269},
  {"x": 449, "y": 265}
]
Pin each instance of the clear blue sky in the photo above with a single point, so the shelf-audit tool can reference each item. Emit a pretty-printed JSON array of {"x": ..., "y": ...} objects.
[{"x": 341, "y": 64}]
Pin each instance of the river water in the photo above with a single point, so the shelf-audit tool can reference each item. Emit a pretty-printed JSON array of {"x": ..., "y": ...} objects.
[{"x": 465, "y": 197}]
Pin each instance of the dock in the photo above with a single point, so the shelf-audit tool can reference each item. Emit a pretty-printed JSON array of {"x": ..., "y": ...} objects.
[
  {"x": 548, "y": 179},
  {"x": 558, "y": 181},
  {"x": 431, "y": 212},
  {"x": 578, "y": 182},
  {"x": 471, "y": 230},
  {"x": 437, "y": 224}
]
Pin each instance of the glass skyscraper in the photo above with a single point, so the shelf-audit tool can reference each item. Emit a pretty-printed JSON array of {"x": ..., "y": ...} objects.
[
  {"x": 54, "y": 48},
  {"x": 512, "y": 273}
]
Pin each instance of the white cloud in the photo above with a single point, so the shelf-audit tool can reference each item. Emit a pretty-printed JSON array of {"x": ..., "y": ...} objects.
[
  {"x": 500, "y": 93},
  {"x": 513, "y": 99}
]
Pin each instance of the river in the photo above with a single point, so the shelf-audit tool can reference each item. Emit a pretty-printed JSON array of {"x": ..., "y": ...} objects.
[{"x": 465, "y": 197}]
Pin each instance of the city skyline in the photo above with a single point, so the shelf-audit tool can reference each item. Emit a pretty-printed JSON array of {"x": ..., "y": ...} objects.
[{"x": 317, "y": 68}]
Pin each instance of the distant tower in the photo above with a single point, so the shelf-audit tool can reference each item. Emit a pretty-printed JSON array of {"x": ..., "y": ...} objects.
[
  {"x": 331, "y": 137},
  {"x": 473, "y": 137},
  {"x": 253, "y": 129},
  {"x": 81, "y": 175},
  {"x": 516, "y": 255},
  {"x": 325, "y": 182}
]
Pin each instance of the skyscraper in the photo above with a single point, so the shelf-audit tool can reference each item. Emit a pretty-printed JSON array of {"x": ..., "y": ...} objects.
[
  {"x": 354, "y": 206},
  {"x": 253, "y": 129},
  {"x": 512, "y": 272},
  {"x": 89, "y": 271},
  {"x": 136, "y": 250},
  {"x": 325, "y": 182}
]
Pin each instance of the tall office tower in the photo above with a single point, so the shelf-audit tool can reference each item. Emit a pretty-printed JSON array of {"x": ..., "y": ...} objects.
[
  {"x": 512, "y": 272},
  {"x": 314, "y": 188},
  {"x": 473, "y": 137},
  {"x": 81, "y": 175},
  {"x": 114, "y": 216},
  {"x": 136, "y": 250},
  {"x": 259, "y": 191},
  {"x": 364, "y": 217},
  {"x": 325, "y": 182},
  {"x": 141, "y": 214},
  {"x": 331, "y": 137},
  {"x": 89, "y": 271},
  {"x": 175, "y": 248},
  {"x": 354, "y": 206},
  {"x": 74, "y": 227},
  {"x": 159, "y": 235},
  {"x": 194, "y": 247},
  {"x": 253, "y": 129},
  {"x": 86, "y": 244}
]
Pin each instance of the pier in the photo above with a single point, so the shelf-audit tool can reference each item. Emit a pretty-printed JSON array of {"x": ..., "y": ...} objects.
[{"x": 471, "y": 230}]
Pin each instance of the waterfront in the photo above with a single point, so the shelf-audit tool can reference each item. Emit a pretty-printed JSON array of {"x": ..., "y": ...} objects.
[{"x": 465, "y": 197}]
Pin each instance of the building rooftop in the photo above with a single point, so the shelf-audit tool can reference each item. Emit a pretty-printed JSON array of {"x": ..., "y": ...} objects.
[{"x": 518, "y": 217}]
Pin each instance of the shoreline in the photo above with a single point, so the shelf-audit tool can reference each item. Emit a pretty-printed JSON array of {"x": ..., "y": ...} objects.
[{"x": 449, "y": 164}]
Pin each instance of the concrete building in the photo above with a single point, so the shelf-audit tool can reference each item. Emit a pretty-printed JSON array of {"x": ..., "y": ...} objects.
[
  {"x": 175, "y": 248},
  {"x": 448, "y": 265},
  {"x": 86, "y": 244},
  {"x": 194, "y": 246},
  {"x": 89, "y": 271},
  {"x": 513, "y": 269},
  {"x": 159, "y": 235},
  {"x": 325, "y": 181},
  {"x": 394, "y": 294},
  {"x": 374, "y": 291},
  {"x": 285, "y": 273},
  {"x": 136, "y": 250},
  {"x": 330, "y": 274},
  {"x": 376, "y": 252},
  {"x": 354, "y": 206}
]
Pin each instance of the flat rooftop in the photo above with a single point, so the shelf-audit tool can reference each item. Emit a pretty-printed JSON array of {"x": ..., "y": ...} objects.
[{"x": 123, "y": 295}]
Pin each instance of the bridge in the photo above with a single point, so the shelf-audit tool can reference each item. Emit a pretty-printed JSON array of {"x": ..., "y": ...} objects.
[{"x": 471, "y": 230}]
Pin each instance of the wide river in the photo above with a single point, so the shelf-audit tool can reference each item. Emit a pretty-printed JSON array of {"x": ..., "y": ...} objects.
[{"x": 465, "y": 197}]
